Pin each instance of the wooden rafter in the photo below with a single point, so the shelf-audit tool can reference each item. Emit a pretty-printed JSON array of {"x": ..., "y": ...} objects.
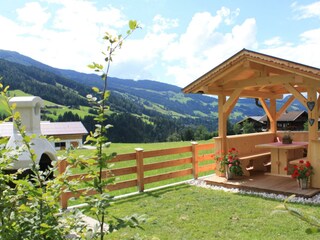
[
  {"x": 266, "y": 109},
  {"x": 296, "y": 93},
  {"x": 247, "y": 93},
  {"x": 285, "y": 106},
  {"x": 228, "y": 106},
  {"x": 263, "y": 81}
]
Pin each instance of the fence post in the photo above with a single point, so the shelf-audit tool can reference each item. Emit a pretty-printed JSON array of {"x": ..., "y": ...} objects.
[
  {"x": 62, "y": 166},
  {"x": 195, "y": 163},
  {"x": 140, "y": 170}
]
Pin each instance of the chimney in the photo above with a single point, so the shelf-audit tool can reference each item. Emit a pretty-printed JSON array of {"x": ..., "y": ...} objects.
[{"x": 29, "y": 109}]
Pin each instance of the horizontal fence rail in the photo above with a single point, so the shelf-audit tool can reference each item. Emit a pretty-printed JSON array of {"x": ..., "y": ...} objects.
[{"x": 199, "y": 161}]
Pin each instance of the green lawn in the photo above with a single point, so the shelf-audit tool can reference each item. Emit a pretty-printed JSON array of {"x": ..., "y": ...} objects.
[{"x": 189, "y": 212}]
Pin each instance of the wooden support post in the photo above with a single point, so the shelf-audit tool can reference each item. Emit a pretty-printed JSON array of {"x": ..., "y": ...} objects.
[
  {"x": 313, "y": 147},
  {"x": 273, "y": 112},
  {"x": 195, "y": 162},
  {"x": 62, "y": 166},
  {"x": 140, "y": 170},
  {"x": 222, "y": 122}
]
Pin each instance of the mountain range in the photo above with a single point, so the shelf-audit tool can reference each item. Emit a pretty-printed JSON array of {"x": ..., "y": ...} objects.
[{"x": 144, "y": 99}]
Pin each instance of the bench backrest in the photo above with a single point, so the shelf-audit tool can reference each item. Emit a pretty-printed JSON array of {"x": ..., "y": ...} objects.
[{"x": 245, "y": 143}]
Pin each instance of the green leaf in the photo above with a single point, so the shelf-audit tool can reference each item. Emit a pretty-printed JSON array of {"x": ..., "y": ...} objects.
[
  {"x": 95, "y": 89},
  {"x": 133, "y": 24},
  {"x": 106, "y": 94}
]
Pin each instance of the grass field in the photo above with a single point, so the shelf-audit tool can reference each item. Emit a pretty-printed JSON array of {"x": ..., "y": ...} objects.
[{"x": 189, "y": 212}]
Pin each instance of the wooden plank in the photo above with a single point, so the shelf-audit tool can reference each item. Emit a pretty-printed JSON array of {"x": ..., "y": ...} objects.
[
  {"x": 166, "y": 164},
  {"x": 263, "y": 81},
  {"x": 106, "y": 173},
  {"x": 207, "y": 168},
  {"x": 122, "y": 185},
  {"x": 255, "y": 156},
  {"x": 265, "y": 183},
  {"x": 206, "y": 157},
  {"x": 124, "y": 157},
  {"x": 124, "y": 171},
  {"x": 248, "y": 93},
  {"x": 207, "y": 146},
  {"x": 164, "y": 152},
  {"x": 117, "y": 186},
  {"x": 169, "y": 175}
]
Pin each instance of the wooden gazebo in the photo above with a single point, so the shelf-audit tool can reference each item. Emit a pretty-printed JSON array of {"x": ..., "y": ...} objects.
[{"x": 254, "y": 75}]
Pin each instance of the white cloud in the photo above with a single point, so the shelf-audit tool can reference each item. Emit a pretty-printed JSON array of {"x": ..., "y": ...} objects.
[
  {"x": 161, "y": 24},
  {"x": 202, "y": 46},
  {"x": 229, "y": 15},
  {"x": 275, "y": 41},
  {"x": 184, "y": 57},
  {"x": 307, "y": 11},
  {"x": 32, "y": 13},
  {"x": 69, "y": 37},
  {"x": 306, "y": 51}
]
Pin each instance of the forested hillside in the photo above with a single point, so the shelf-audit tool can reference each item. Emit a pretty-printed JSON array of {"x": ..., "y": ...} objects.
[{"x": 141, "y": 111}]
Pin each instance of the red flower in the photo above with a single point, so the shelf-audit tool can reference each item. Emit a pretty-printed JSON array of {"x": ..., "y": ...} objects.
[
  {"x": 295, "y": 174},
  {"x": 308, "y": 164},
  {"x": 301, "y": 161}
]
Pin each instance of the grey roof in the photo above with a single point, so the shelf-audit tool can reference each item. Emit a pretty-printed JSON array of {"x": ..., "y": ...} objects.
[
  {"x": 287, "y": 116},
  {"x": 49, "y": 128},
  {"x": 257, "y": 118}
]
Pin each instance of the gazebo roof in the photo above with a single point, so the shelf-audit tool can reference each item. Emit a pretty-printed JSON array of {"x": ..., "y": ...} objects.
[{"x": 257, "y": 75}]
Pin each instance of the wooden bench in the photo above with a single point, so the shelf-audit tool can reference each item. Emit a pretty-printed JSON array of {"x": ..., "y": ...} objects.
[
  {"x": 248, "y": 163},
  {"x": 251, "y": 158}
]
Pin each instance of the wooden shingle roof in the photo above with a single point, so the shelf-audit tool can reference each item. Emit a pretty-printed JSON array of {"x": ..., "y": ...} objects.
[{"x": 256, "y": 75}]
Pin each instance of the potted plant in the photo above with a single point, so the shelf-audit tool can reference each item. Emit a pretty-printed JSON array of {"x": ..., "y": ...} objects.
[
  {"x": 287, "y": 138},
  {"x": 302, "y": 173},
  {"x": 230, "y": 164}
]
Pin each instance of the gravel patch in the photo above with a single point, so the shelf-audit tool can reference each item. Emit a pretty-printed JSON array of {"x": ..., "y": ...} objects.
[{"x": 315, "y": 200}]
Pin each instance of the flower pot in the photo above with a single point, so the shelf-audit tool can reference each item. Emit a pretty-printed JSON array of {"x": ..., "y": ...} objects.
[
  {"x": 229, "y": 174},
  {"x": 286, "y": 141},
  {"x": 304, "y": 183}
]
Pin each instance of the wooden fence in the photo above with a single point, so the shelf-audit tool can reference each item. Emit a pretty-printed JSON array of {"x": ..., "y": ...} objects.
[{"x": 198, "y": 162}]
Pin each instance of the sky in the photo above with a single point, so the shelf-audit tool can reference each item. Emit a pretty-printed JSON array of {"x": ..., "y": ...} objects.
[{"x": 179, "y": 40}]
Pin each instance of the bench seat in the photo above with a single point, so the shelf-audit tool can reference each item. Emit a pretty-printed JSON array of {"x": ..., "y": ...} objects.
[
  {"x": 296, "y": 161},
  {"x": 248, "y": 164}
]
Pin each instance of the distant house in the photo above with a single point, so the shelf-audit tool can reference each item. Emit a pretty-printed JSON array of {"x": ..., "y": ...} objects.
[
  {"x": 293, "y": 120},
  {"x": 68, "y": 133},
  {"x": 256, "y": 121}
]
